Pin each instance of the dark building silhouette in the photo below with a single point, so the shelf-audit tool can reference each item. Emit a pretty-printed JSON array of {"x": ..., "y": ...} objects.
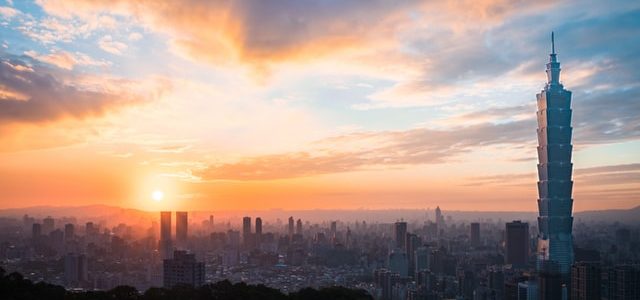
[
  {"x": 36, "y": 230},
  {"x": 69, "y": 232},
  {"x": 550, "y": 281},
  {"x": 299, "y": 227},
  {"x": 621, "y": 283},
  {"x": 517, "y": 244},
  {"x": 182, "y": 269},
  {"x": 585, "y": 281},
  {"x": 75, "y": 270},
  {"x": 165, "y": 245},
  {"x": 555, "y": 221},
  {"x": 258, "y": 232},
  {"x": 48, "y": 225},
  {"x": 182, "y": 228},
  {"x": 474, "y": 234},
  {"x": 400, "y": 229},
  {"x": 246, "y": 231},
  {"x": 291, "y": 227}
]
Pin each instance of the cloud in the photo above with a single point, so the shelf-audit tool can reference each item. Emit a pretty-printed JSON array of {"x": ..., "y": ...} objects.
[
  {"x": 590, "y": 177},
  {"x": 134, "y": 36},
  {"x": 8, "y": 12},
  {"x": 107, "y": 44},
  {"x": 261, "y": 33},
  {"x": 67, "y": 60},
  {"x": 359, "y": 151},
  {"x": 34, "y": 93}
]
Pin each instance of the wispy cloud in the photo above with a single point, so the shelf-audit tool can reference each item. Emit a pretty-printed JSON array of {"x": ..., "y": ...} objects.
[{"x": 33, "y": 93}]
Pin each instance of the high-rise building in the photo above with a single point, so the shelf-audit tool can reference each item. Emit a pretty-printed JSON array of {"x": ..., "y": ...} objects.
[
  {"x": 517, "y": 244},
  {"x": 412, "y": 242},
  {"x": 439, "y": 220},
  {"x": 299, "y": 227},
  {"x": 399, "y": 262},
  {"x": 182, "y": 228},
  {"x": 550, "y": 285},
  {"x": 334, "y": 229},
  {"x": 555, "y": 221},
  {"x": 36, "y": 230},
  {"x": 621, "y": 283},
  {"x": 474, "y": 234},
  {"x": 258, "y": 232},
  {"x": 291, "y": 227},
  {"x": 400, "y": 229},
  {"x": 183, "y": 269},
  {"x": 165, "y": 245},
  {"x": 421, "y": 257},
  {"x": 246, "y": 230},
  {"x": 211, "y": 223},
  {"x": 69, "y": 232},
  {"x": 75, "y": 270},
  {"x": 47, "y": 225},
  {"x": 585, "y": 281}
]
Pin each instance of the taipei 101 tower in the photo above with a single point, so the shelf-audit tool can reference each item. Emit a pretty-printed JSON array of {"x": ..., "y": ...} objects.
[{"x": 555, "y": 221}]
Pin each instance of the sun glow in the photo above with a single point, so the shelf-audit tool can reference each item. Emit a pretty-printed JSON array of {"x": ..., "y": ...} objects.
[{"x": 157, "y": 195}]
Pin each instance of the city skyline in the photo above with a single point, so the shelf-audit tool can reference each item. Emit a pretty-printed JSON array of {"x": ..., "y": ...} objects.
[{"x": 224, "y": 107}]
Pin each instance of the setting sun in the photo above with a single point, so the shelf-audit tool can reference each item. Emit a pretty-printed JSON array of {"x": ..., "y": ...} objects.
[{"x": 157, "y": 195}]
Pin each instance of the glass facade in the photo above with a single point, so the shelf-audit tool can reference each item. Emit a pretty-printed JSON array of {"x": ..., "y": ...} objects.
[{"x": 555, "y": 221}]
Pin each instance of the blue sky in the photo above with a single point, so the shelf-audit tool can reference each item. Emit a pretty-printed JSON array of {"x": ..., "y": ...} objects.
[{"x": 427, "y": 102}]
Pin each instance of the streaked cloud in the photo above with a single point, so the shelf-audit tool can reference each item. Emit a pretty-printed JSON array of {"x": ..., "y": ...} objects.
[
  {"x": 107, "y": 44},
  {"x": 34, "y": 93},
  {"x": 67, "y": 60}
]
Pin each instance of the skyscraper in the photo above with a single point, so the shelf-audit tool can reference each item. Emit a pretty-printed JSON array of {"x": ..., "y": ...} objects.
[
  {"x": 182, "y": 228},
  {"x": 69, "y": 232},
  {"x": 48, "y": 225},
  {"x": 290, "y": 227},
  {"x": 299, "y": 226},
  {"x": 36, "y": 230},
  {"x": 165, "y": 246},
  {"x": 401, "y": 234},
  {"x": 246, "y": 231},
  {"x": 258, "y": 232},
  {"x": 517, "y": 244},
  {"x": 474, "y": 234},
  {"x": 555, "y": 241}
]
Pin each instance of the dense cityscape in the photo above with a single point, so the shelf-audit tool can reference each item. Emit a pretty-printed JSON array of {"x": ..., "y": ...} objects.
[
  {"x": 217, "y": 234},
  {"x": 434, "y": 258}
]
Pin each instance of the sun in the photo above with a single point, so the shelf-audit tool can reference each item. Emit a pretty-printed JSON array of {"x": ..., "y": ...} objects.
[{"x": 157, "y": 195}]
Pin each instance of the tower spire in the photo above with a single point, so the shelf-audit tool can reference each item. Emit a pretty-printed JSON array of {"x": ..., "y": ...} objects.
[{"x": 553, "y": 67}]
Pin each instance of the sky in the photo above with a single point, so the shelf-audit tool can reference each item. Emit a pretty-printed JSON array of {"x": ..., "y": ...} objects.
[{"x": 254, "y": 105}]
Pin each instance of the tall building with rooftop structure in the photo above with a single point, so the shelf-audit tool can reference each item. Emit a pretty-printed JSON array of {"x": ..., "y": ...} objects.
[{"x": 555, "y": 221}]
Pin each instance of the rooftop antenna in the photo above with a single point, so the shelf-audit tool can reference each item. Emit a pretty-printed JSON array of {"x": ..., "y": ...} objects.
[{"x": 553, "y": 44}]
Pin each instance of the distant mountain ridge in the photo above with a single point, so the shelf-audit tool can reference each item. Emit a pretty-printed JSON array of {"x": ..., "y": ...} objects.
[{"x": 114, "y": 214}]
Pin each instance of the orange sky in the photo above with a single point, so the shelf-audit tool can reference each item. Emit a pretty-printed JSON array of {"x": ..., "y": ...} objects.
[{"x": 309, "y": 104}]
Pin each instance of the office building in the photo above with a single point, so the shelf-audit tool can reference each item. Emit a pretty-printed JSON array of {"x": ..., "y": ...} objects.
[
  {"x": 182, "y": 229},
  {"x": 517, "y": 244},
  {"x": 47, "y": 225},
  {"x": 183, "y": 269},
  {"x": 291, "y": 227},
  {"x": 246, "y": 231},
  {"x": 400, "y": 229},
  {"x": 165, "y": 244},
  {"x": 69, "y": 232},
  {"x": 75, "y": 270},
  {"x": 36, "y": 231},
  {"x": 555, "y": 221},
  {"x": 474, "y": 234},
  {"x": 299, "y": 227},
  {"x": 585, "y": 281}
]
